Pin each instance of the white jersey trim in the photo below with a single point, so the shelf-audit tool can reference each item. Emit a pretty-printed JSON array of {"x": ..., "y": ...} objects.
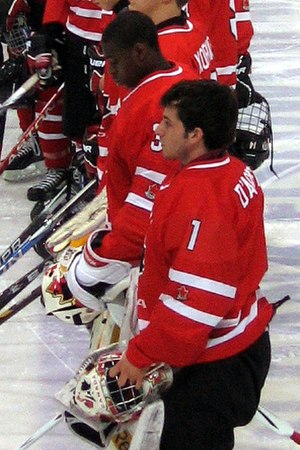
[
  {"x": 189, "y": 312},
  {"x": 211, "y": 165},
  {"x": 139, "y": 201},
  {"x": 150, "y": 174},
  {"x": 103, "y": 151},
  {"x": 51, "y": 136},
  {"x": 229, "y": 323},
  {"x": 177, "y": 30},
  {"x": 243, "y": 17},
  {"x": 228, "y": 70},
  {"x": 142, "y": 324},
  {"x": 204, "y": 284},
  {"x": 174, "y": 73},
  {"x": 90, "y": 13},
  {"x": 51, "y": 117},
  {"x": 82, "y": 33},
  {"x": 236, "y": 331}
]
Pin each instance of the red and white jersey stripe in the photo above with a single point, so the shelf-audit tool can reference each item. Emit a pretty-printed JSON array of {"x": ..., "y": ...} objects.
[
  {"x": 205, "y": 257},
  {"x": 135, "y": 165}
]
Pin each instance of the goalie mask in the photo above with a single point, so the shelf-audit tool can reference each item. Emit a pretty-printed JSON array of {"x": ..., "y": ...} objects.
[
  {"x": 17, "y": 38},
  {"x": 254, "y": 138},
  {"x": 58, "y": 300},
  {"x": 98, "y": 396}
]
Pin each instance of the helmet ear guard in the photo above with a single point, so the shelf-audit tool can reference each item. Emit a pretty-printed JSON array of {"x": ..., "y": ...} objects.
[{"x": 254, "y": 136}]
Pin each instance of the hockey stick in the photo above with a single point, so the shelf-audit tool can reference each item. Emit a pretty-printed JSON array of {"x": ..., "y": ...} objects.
[
  {"x": 19, "y": 305},
  {"x": 14, "y": 289},
  {"x": 29, "y": 84},
  {"x": 41, "y": 431},
  {"x": 32, "y": 227},
  {"x": 33, "y": 127},
  {"x": 2, "y": 129},
  {"x": 38, "y": 229},
  {"x": 276, "y": 424}
]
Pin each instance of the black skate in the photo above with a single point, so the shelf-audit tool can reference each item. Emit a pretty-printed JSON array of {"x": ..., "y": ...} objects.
[
  {"x": 27, "y": 163},
  {"x": 87, "y": 433},
  {"x": 47, "y": 188}
]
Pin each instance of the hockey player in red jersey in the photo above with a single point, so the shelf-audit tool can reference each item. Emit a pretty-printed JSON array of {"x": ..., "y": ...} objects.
[
  {"x": 135, "y": 166},
  {"x": 220, "y": 15},
  {"x": 199, "y": 305},
  {"x": 24, "y": 18},
  {"x": 180, "y": 39}
]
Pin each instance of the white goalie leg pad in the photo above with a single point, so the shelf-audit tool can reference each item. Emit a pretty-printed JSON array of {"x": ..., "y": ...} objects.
[
  {"x": 104, "y": 332},
  {"x": 86, "y": 221},
  {"x": 129, "y": 326},
  {"x": 149, "y": 427}
]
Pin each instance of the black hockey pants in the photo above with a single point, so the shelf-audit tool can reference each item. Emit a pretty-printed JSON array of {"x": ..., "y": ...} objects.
[
  {"x": 80, "y": 109},
  {"x": 207, "y": 401}
]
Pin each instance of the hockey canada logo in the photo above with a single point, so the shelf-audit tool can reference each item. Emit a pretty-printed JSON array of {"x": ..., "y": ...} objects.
[
  {"x": 182, "y": 294},
  {"x": 59, "y": 288}
]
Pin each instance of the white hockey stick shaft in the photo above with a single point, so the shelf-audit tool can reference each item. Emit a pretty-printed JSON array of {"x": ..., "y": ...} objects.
[
  {"x": 29, "y": 84},
  {"x": 41, "y": 431},
  {"x": 266, "y": 417}
]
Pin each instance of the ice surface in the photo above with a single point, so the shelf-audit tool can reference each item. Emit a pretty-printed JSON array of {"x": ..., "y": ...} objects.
[{"x": 39, "y": 353}]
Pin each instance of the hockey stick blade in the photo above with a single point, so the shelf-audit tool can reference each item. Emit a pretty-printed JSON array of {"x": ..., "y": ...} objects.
[
  {"x": 19, "y": 305},
  {"x": 38, "y": 229},
  {"x": 41, "y": 431},
  {"x": 19, "y": 93},
  {"x": 276, "y": 424},
  {"x": 14, "y": 289},
  {"x": 6, "y": 257}
]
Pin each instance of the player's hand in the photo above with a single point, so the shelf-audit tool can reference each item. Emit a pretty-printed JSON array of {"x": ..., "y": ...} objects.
[
  {"x": 128, "y": 372},
  {"x": 40, "y": 58}
]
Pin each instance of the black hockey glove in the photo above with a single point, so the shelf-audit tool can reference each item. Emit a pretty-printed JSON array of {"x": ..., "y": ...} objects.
[{"x": 244, "y": 87}]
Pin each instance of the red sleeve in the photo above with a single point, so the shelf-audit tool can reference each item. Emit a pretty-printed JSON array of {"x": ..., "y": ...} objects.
[{"x": 55, "y": 11}]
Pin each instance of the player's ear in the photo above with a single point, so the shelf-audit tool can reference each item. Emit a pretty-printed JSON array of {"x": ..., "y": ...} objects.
[
  {"x": 139, "y": 52},
  {"x": 196, "y": 135}
]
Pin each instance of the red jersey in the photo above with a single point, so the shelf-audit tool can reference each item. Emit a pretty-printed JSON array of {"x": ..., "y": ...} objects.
[
  {"x": 198, "y": 297},
  {"x": 187, "y": 42},
  {"x": 135, "y": 165},
  {"x": 81, "y": 17},
  {"x": 220, "y": 15},
  {"x": 180, "y": 40},
  {"x": 244, "y": 26}
]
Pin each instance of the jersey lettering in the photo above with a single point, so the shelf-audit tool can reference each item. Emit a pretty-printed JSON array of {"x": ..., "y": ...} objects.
[
  {"x": 246, "y": 187},
  {"x": 204, "y": 55},
  {"x": 195, "y": 231},
  {"x": 233, "y": 27}
]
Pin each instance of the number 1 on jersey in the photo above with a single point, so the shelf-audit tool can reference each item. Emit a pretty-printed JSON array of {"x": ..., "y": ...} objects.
[{"x": 196, "y": 224}]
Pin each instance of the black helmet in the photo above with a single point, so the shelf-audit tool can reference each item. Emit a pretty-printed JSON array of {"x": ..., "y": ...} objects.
[{"x": 254, "y": 137}]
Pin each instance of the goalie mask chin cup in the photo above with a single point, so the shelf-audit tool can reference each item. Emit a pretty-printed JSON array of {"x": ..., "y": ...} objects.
[
  {"x": 97, "y": 395},
  {"x": 254, "y": 137},
  {"x": 58, "y": 300},
  {"x": 17, "y": 39}
]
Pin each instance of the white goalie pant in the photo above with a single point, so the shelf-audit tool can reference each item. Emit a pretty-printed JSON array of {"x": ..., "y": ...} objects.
[
  {"x": 118, "y": 323},
  {"x": 148, "y": 428}
]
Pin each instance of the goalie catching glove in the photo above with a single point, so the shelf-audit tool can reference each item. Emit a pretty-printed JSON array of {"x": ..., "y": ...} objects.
[
  {"x": 76, "y": 231},
  {"x": 91, "y": 277}
]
